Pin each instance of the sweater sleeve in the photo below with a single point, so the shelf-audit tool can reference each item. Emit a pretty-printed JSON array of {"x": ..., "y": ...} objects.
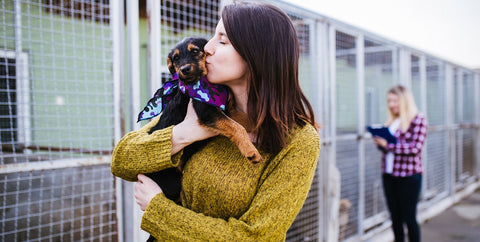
[
  {"x": 414, "y": 139},
  {"x": 139, "y": 152},
  {"x": 281, "y": 193}
]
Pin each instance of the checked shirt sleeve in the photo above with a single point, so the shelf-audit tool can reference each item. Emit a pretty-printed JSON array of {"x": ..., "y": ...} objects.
[{"x": 411, "y": 142}]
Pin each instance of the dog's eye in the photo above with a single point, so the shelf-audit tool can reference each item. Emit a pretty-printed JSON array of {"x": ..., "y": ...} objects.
[
  {"x": 176, "y": 58},
  {"x": 195, "y": 51}
]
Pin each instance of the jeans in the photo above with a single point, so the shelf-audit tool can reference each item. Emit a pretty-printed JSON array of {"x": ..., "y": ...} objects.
[{"x": 402, "y": 194}]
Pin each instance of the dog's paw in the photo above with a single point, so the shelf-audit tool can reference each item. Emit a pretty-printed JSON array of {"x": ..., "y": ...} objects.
[{"x": 255, "y": 158}]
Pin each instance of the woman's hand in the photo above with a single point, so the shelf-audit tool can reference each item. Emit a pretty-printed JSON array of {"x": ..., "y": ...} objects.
[
  {"x": 145, "y": 190},
  {"x": 380, "y": 141},
  {"x": 189, "y": 131}
]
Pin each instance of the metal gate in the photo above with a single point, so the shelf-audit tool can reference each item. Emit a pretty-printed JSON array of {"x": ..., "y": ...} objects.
[{"x": 56, "y": 121}]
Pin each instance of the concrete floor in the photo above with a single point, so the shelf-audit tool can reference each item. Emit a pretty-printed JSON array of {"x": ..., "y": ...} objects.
[{"x": 461, "y": 222}]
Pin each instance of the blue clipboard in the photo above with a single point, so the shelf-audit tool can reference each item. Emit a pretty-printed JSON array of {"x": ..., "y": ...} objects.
[{"x": 382, "y": 132}]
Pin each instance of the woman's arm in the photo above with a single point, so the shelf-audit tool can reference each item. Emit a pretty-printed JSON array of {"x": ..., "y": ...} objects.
[
  {"x": 282, "y": 191},
  {"x": 189, "y": 131},
  {"x": 415, "y": 137},
  {"x": 139, "y": 152}
]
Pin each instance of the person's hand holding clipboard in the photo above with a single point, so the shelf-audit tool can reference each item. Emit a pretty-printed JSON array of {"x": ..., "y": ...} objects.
[{"x": 382, "y": 136}]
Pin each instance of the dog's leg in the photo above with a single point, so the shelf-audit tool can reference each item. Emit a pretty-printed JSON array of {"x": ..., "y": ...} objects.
[
  {"x": 216, "y": 120},
  {"x": 174, "y": 112}
]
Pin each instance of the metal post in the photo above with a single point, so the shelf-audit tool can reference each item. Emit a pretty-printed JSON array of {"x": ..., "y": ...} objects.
[
  {"x": 133, "y": 61},
  {"x": 331, "y": 105},
  {"x": 458, "y": 136},
  {"x": 405, "y": 70},
  {"x": 131, "y": 209},
  {"x": 476, "y": 84},
  {"x": 449, "y": 119},
  {"x": 328, "y": 204},
  {"x": 117, "y": 30},
  {"x": 360, "y": 57},
  {"x": 154, "y": 45},
  {"x": 23, "y": 87},
  {"x": 423, "y": 107}
]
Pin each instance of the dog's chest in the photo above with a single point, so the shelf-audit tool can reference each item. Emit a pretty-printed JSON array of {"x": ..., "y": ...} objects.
[{"x": 219, "y": 181}]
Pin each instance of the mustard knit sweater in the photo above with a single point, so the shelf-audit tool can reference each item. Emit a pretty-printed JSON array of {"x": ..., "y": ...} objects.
[{"x": 224, "y": 197}]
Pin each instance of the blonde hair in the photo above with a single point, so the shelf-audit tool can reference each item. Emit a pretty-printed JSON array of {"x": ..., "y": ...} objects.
[{"x": 407, "y": 107}]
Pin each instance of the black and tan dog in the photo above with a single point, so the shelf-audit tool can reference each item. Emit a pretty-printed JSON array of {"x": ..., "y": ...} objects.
[{"x": 187, "y": 60}]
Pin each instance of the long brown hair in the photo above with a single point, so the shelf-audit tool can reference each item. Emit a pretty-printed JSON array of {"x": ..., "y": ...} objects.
[{"x": 266, "y": 39}]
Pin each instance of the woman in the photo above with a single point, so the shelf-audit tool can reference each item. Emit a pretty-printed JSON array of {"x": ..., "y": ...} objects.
[
  {"x": 225, "y": 197},
  {"x": 402, "y": 161}
]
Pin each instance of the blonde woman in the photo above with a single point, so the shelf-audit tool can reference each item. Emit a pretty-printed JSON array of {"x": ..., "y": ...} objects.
[{"x": 402, "y": 161}]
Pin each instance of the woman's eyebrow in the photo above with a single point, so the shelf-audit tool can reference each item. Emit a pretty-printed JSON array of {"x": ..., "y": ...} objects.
[{"x": 222, "y": 34}]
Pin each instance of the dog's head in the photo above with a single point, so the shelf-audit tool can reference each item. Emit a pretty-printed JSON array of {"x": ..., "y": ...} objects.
[{"x": 187, "y": 59}]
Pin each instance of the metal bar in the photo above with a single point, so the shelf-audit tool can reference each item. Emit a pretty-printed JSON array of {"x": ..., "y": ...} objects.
[
  {"x": 132, "y": 220},
  {"x": 56, "y": 164},
  {"x": 449, "y": 119},
  {"x": 457, "y": 169},
  {"x": 319, "y": 40},
  {"x": 22, "y": 78},
  {"x": 330, "y": 67},
  {"x": 360, "y": 66},
  {"x": 13, "y": 148},
  {"x": 117, "y": 30},
  {"x": 395, "y": 66},
  {"x": 476, "y": 84},
  {"x": 405, "y": 70},
  {"x": 133, "y": 61},
  {"x": 154, "y": 45}
]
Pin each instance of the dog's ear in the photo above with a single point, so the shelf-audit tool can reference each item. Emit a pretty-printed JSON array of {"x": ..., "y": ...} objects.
[
  {"x": 200, "y": 42},
  {"x": 170, "y": 65}
]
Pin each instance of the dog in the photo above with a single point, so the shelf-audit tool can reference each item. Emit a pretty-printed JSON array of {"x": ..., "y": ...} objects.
[{"x": 186, "y": 61}]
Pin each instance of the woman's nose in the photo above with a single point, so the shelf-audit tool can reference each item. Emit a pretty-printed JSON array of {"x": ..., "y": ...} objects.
[{"x": 208, "y": 48}]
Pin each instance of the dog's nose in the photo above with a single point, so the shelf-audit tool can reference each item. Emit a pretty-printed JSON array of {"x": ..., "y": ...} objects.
[{"x": 185, "y": 69}]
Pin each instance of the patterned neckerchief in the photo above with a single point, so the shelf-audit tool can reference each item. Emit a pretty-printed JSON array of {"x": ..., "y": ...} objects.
[{"x": 202, "y": 90}]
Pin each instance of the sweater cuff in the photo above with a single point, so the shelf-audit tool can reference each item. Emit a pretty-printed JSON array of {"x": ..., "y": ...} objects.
[{"x": 153, "y": 215}]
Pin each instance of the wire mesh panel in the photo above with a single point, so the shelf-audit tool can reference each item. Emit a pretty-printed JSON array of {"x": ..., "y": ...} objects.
[
  {"x": 468, "y": 153},
  {"x": 468, "y": 97},
  {"x": 56, "y": 118},
  {"x": 72, "y": 204},
  {"x": 437, "y": 166},
  {"x": 416, "y": 79},
  {"x": 436, "y": 92},
  {"x": 378, "y": 79},
  {"x": 347, "y": 115},
  {"x": 187, "y": 18},
  {"x": 305, "y": 226},
  {"x": 347, "y": 163},
  {"x": 374, "y": 198},
  {"x": 346, "y": 83}
]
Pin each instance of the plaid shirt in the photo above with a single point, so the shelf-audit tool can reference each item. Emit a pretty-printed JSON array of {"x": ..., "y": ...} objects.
[{"x": 408, "y": 149}]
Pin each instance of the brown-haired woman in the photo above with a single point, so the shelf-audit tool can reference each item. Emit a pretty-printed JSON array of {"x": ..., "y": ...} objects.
[{"x": 255, "y": 53}]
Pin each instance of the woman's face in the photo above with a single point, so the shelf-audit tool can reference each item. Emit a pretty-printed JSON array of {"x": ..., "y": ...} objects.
[
  {"x": 393, "y": 103},
  {"x": 224, "y": 64}
]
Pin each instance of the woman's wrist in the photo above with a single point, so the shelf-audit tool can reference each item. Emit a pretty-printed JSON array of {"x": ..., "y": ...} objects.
[{"x": 180, "y": 138}]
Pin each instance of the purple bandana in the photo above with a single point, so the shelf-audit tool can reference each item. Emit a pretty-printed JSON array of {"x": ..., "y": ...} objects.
[{"x": 202, "y": 90}]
